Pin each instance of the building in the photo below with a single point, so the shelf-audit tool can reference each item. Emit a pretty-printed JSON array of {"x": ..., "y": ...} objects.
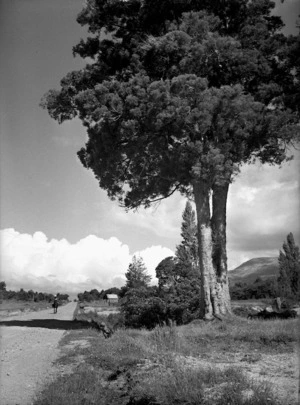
[{"x": 112, "y": 299}]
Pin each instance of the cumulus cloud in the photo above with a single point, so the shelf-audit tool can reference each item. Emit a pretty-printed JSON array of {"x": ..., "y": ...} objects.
[
  {"x": 152, "y": 256},
  {"x": 263, "y": 207},
  {"x": 34, "y": 262}
]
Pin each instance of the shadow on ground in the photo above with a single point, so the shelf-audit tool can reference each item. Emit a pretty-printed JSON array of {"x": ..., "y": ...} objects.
[{"x": 49, "y": 324}]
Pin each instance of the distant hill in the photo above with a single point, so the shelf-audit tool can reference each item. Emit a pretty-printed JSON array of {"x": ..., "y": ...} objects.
[{"x": 248, "y": 272}]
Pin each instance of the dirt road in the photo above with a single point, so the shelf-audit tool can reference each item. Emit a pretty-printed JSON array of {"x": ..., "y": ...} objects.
[{"x": 29, "y": 345}]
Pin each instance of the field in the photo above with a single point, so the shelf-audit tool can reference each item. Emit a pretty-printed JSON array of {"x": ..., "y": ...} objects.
[
  {"x": 11, "y": 307},
  {"x": 234, "y": 361}
]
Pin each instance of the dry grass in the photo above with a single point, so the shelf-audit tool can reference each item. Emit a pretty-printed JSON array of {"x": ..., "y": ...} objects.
[
  {"x": 189, "y": 364},
  {"x": 7, "y": 306}
]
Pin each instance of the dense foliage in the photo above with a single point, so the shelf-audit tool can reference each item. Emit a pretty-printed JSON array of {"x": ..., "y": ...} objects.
[
  {"x": 259, "y": 289},
  {"x": 140, "y": 306},
  {"x": 177, "y": 296},
  {"x": 178, "y": 277}
]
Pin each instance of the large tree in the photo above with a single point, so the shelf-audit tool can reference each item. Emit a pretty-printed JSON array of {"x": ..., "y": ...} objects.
[
  {"x": 150, "y": 139},
  {"x": 178, "y": 97}
]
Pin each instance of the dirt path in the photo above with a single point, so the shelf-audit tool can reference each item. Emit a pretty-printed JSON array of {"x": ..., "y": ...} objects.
[{"x": 29, "y": 345}]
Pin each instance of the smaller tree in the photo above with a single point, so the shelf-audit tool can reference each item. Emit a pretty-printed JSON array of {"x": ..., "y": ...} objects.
[
  {"x": 289, "y": 269},
  {"x": 3, "y": 292},
  {"x": 63, "y": 297},
  {"x": 22, "y": 295},
  {"x": 183, "y": 304},
  {"x": 143, "y": 308},
  {"x": 87, "y": 296},
  {"x": 95, "y": 294},
  {"x": 165, "y": 273},
  {"x": 41, "y": 296},
  {"x": 178, "y": 277},
  {"x": 31, "y": 295},
  {"x": 187, "y": 251},
  {"x": 136, "y": 274},
  {"x": 2, "y": 286},
  {"x": 80, "y": 297}
]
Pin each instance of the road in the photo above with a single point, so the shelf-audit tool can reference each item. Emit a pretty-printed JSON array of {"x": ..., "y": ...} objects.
[{"x": 29, "y": 345}]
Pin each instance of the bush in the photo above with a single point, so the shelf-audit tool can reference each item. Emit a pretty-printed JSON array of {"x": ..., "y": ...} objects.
[
  {"x": 142, "y": 309},
  {"x": 116, "y": 320}
]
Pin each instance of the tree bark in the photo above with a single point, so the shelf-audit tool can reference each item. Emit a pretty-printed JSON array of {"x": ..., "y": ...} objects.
[
  {"x": 219, "y": 253},
  {"x": 207, "y": 273}
]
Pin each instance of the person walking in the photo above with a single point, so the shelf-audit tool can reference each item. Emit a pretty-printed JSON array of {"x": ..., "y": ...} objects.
[{"x": 55, "y": 304}]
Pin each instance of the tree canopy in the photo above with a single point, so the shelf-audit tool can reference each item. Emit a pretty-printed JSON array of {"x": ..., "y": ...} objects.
[
  {"x": 195, "y": 85},
  {"x": 149, "y": 139}
]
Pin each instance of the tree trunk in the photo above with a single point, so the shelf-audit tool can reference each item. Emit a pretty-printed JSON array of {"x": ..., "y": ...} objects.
[
  {"x": 219, "y": 254},
  {"x": 207, "y": 273}
]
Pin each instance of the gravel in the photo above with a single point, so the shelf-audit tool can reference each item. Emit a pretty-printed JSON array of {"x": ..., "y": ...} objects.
[{"x": 28, "y": 352}]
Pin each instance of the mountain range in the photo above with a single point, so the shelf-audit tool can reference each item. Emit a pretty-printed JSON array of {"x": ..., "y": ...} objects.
[{"x": 248, "y": 272}]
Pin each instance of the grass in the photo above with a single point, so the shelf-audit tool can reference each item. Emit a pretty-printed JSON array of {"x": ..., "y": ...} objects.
[
  {"x": 234, "y": 335},
  {"x": 16, "y": 305},
  {"x": 167, "y": 365},
  {"x": 82, "y": 389},
  {"x": 182, "y": 385},
  {"x": 252, "y": 303}
]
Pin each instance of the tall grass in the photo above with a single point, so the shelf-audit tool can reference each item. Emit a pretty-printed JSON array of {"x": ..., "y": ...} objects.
[{"x": 207, "y": 386}]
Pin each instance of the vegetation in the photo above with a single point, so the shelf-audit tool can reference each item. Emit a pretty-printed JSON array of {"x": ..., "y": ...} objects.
[
  {"x": 8, "y": 307},
  {"x": 169, "y": 365},
  {"x": 257, "y": 290},
  {"x": 141, "y": 305},
  {"x": 289, "y": 269},
  {"x": 95, "y": 295},
  {"x": 177, "y": 296},
  {"x": 30, "y": 295},
  {"x": 176, "y": 299},
  {"x": 178, "y": 277},
  {"x": 178, "y": 96},
  {"x": 187, "y": 250},
  {"x": 136, "y": 274}
]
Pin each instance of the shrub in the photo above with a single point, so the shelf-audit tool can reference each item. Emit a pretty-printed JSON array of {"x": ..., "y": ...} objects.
[{"x": 143, "y": 309}]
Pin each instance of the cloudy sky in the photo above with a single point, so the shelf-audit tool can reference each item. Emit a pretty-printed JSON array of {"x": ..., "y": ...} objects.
[{"x": 59, "y": 230}]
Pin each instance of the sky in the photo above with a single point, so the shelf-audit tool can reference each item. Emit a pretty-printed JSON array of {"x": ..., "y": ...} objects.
[{"x": 59, "y": 230}]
